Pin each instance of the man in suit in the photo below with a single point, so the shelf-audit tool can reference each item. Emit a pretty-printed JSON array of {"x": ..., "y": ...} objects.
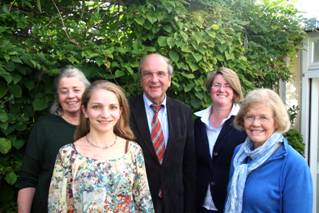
[{"x": 169, "y": 157}]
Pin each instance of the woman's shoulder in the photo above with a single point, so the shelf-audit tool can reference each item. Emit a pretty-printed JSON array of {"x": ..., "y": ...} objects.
[
  {"x": 133, "y": 145},
  {"x": 293, "y": 161},
  {"x": 51, "y": 120},
  {"x": 67, "y": 150},
  {"x": 294, "y": 157}
]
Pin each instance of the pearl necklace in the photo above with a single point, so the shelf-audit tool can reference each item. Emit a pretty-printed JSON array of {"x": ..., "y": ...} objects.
[{"x": 104, "y": 147}]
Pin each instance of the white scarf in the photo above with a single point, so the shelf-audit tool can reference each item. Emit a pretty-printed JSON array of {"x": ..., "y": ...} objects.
[{"x": 242, "y": 169}]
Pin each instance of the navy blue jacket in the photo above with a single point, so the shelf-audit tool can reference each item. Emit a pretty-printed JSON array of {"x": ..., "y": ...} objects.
[{"x": 215, "y": 171}]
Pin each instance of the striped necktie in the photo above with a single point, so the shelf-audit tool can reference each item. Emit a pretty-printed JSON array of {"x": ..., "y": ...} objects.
[{"x": 157, "y": 135}]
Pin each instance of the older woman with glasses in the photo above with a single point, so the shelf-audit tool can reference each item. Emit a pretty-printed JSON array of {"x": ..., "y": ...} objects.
[
  {"x": 267, "y": 174},
  {"x": 216, "y": 139}
]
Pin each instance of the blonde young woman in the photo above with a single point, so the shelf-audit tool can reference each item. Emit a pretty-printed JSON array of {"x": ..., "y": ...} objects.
[{"x": 103, "y": 170}]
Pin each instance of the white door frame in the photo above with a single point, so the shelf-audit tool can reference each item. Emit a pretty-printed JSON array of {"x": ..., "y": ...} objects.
[{"x": 309, "y": 110}]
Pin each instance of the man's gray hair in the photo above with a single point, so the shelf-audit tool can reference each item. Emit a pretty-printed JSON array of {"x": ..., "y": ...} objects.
[{"x": 168, "y": 62}]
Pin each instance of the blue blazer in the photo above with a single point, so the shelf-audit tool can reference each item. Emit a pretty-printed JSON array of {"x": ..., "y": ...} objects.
[{"x": 214, "y": 171}]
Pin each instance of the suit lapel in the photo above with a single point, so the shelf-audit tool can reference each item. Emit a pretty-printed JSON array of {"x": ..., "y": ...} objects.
[
  {"x": 171, "y": 113},
  {"x": 142, "y": 125}
]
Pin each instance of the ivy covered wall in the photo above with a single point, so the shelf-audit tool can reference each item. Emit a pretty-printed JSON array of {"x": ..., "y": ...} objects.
[{"x": 106, "y": 39}]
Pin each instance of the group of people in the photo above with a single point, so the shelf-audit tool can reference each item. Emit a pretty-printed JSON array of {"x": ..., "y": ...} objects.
[{"x": 100, "y": 152}]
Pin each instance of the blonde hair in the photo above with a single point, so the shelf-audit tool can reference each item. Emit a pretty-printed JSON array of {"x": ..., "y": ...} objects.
[
  {"x": 121, "y": 128},
  {"x": 268, "y": 98},
  {"x": 230, "y": 77}
]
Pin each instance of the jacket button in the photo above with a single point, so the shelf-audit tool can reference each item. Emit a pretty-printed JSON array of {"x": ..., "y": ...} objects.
[
  {"x": 215, "y": 154},
  {"x": 212, "y": 183}
]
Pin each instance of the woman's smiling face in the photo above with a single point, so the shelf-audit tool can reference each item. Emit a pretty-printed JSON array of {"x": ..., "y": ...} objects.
[
  {"x": 103, "y": 110},
  {"x": 259, "y": 123}
]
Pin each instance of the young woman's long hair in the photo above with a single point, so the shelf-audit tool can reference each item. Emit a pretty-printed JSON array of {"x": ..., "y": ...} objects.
[{"x": 121, "y": 128}]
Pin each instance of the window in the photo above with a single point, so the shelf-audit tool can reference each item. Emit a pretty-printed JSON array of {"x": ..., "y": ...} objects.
[{"x": 316, "y": 51}]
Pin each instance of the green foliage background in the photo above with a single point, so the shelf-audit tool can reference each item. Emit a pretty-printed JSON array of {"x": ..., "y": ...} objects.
[{"x": 106, "y": 39}]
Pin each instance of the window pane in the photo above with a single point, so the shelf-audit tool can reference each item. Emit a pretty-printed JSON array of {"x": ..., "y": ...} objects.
[{"x": 316, "y": 52}]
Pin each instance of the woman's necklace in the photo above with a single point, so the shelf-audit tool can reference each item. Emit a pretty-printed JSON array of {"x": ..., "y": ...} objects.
[{"x": 99, "y": 147}]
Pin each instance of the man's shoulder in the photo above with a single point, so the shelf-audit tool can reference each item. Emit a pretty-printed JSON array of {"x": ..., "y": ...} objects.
[
  {"x": 135, "y": 99},
  {"x": 177, "y": 103}
]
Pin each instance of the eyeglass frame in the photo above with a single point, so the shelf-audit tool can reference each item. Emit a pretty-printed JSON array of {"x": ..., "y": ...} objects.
[
  {"x": 260, "y": 118},
  {"x": 219, "y": 86}
]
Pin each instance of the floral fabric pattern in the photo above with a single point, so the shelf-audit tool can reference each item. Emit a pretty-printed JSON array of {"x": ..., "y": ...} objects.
[{"x": 82, "y": 184}]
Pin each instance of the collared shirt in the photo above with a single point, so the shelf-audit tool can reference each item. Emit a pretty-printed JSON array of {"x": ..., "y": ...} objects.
[
  {"x": 162, "y": 116},
  {"x": 212, "y": 135}
]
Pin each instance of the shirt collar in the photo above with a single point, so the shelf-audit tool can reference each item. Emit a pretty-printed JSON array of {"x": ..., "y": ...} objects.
[
  {"x": 205, "y": 113},
  {"x": 148, "y": 102}
]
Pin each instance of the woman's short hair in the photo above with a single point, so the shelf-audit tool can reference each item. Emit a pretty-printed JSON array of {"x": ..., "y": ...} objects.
[
  {"x": 121, "y": 128},
  {"x": 232, "y": 79},
  {"x": 268, "y": 98},
  {"x": 66, "y": 72}
]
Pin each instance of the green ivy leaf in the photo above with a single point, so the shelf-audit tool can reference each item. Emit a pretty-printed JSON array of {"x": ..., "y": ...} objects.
[
  {"x": 170, "y": 42},
  {"x": 197, "y": 56},
  {"x": 39, "y": 104},
  {"x": 174, "y": 56},
  {"x": 215, "y": 26},
  {"x": 4, "y": 126},
  {"x": 5, "y": 145},
  {"x": 39, "y": 6},
  {"x": 3, "y": 116},
  {"x": 18, "y": 143},
  {"x": 193, "y": 66},
  {"x": 151, "y": 19},
  {"x": 188, "y": 75},
  {"x": 29, "y": 84},
  {"x": 167, "y": 28},
  {"x": 119, "y": 73},
  {"x": 188, "y": 87},
  {"x": 11, "y": 177},
  {"x": 90, "y": 54},
  {"x": 16, "y": 90},
  {"x": 5, "y": 75},
  {"x": 140, "y": 20},
  {"x": 3, "y": 89},
  {"x": 162, "y": 41}
]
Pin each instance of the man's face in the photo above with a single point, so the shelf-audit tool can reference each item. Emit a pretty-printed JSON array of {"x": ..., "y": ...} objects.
[{"x": 155, "y": 78}]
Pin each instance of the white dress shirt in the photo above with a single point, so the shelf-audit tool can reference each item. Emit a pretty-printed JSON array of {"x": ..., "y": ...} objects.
[{"x": 162, "y": 116}]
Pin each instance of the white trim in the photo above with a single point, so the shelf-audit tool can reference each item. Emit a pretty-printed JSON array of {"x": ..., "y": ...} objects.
[
  {"x": 312, "y": 42},
  {"x": 309, "y": 111},
  {"x": 314, "y": 123}
]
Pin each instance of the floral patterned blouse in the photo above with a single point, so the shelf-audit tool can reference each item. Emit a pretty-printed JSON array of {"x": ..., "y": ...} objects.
[{"x": 82, "y": 184}]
